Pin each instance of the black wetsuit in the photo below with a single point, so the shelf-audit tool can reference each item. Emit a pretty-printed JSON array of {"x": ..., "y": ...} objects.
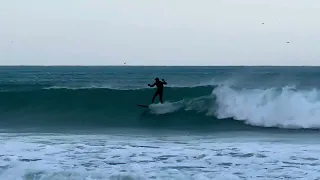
[{"x": 159, "y": 91}]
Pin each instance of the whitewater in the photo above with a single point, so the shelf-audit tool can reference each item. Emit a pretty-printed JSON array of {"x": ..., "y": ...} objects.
[{"x": 215, "y": 123}]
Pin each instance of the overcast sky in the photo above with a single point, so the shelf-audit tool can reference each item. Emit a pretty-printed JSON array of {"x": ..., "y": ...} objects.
[{"x": 160, "y": 32}]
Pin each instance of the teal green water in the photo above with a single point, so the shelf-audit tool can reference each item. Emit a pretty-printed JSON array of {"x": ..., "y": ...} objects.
[{"x": 214, "y": 98}]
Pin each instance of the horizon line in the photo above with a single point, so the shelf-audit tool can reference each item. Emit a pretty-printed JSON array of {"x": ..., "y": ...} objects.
[{"x": 159, "y": 65}]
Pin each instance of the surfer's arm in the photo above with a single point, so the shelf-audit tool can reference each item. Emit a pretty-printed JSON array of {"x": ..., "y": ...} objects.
[
  {"x": 163, "y": 81},
  {"x": 151, "y": 85}
]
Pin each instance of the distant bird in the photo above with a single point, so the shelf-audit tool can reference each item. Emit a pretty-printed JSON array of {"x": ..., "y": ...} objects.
[
  {"x": 125, "y": 63},
  {"x": 288, "y": 42},
  {"x": 262, "y": 23}
]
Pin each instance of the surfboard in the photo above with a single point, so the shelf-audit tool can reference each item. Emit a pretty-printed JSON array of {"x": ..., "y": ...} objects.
[{"x": 140, "y": 105}]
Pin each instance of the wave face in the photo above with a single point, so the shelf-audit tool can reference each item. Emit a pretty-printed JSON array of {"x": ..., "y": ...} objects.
[
  {"x": 220, "y": 104},
  {"x": 96, "y": 107}
]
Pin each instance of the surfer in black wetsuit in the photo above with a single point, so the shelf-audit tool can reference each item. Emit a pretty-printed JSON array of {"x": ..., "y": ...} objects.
[{"x": 159, "y": 91}]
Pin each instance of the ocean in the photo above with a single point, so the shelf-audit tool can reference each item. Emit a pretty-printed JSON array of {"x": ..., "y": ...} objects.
[{"x": 83, "y": 123}]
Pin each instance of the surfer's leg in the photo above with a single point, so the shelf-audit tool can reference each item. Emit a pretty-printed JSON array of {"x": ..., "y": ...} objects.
[
  {"x": 154, "y": 96},
  {"x": 160, "y": 97}
]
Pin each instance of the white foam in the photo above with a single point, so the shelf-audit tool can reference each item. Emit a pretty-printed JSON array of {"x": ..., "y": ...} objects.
[
  {"x": 82, "y": 87},
  {"x": 285, "y": 107},
  {"x": 94, "y": 157},
  {"x": 166, "y": 107}
]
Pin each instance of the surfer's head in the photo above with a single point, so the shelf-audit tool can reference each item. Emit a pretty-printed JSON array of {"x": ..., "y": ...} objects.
[{"x": 157, "y": 79}]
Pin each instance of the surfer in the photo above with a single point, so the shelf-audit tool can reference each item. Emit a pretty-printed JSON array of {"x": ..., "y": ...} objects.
[{"x": 159, "y": 91}]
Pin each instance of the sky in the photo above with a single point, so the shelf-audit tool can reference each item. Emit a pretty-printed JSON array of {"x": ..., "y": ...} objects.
[{"x": 154, "y": 32}]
